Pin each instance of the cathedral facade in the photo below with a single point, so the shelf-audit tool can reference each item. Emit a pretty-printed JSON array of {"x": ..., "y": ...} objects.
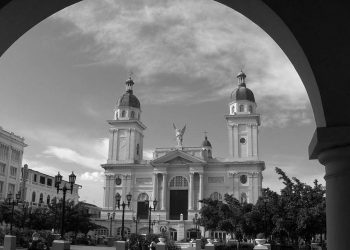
[{"x": 177, "y": 177}]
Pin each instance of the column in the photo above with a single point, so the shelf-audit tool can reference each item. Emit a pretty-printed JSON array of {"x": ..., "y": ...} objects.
[
  {"x": 200, "y": 196},
  {"x": 115, "y": 145},
  {"x": 190, "y": 193},
  {"x": 255, "y": 140},
  {"x": 110, "y": 149},
  {"x": 235, "y": 141},
  {"x": 123, "y": 198},
  {"x": 164, "y": 191},
  {"x": 250, "y": 140},
  {"x": 337, "y": 164},
  {"x": 154, "y": 189}
]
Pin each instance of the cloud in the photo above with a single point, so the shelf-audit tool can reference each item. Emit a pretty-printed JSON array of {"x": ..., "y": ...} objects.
[
  {"x": 69, "y": 155},
  {"x": 147, "y": 154},
  {"x": 92, "y": 176},
  {"x": 198, "y": 45},
  {"x": 44, "y": 167}
]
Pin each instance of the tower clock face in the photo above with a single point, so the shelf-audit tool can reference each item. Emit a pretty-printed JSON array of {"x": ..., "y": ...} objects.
[{"x": 118, "y": 181}]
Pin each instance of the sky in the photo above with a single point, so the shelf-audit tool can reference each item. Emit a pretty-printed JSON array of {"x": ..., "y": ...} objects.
[{"x": 60, "y": 82}]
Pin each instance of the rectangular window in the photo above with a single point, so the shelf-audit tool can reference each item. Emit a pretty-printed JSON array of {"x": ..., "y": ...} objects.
[
  {"x": 13, "y": 171},
  {"x": 15, "y": 156},
  {"x": 2, "y": 168},
  {"x": 35, "y": 178},
  {"x": 4, "y": 152},
  {"x": 11, "y": 189},
  {"x": 49, "y": 182},
  {"x": 42, "y": 180}
]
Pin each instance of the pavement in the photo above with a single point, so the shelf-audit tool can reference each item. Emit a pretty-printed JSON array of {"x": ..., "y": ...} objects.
[{"x": 78, "y": 247}]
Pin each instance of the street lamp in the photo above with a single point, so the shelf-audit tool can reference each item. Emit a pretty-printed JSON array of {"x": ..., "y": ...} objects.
[
  {"x": 150, "y": 212},
  {"x": 58, "y": 181},
  {"x": 111, "y": 217},
  {"x": 137, "y": 221},
  {"x": 128, "y": 198},
  {"x": 196, "y": 221},
  {"x": 12, "y": 201}
]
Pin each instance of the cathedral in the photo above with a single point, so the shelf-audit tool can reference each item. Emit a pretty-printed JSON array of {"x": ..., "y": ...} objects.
[{"x": 163, "y": 194}]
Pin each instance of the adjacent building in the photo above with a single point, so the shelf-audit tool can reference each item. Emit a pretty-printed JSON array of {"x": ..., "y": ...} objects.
[
  {"x": 38, "y": 189},
  {"x": 179, "y": 176},
  {"x": 11, "y": 155}
]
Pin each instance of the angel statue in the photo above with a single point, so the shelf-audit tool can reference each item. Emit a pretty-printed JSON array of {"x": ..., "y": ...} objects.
[{"x": 179, "y": 134}]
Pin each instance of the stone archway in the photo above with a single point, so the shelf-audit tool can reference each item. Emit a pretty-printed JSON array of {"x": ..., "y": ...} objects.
[{"x": 315, "y": 37}]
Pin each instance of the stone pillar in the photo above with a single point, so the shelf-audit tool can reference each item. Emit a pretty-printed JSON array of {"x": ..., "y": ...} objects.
[
  {"x": 190, "y": 193},
  {"x": 235, "y": 141},
  {"x": 200, "y": 196},
  {"x": 120, "y": 245},
  {"x": 60, "y": 245},
  {"x": 250, "y": 140},
  {"x": 10, "y": 242},
  {"x": 255, "y": 141},
  {"x": 337, "y": 163},
  {"x": 198, "y": 244},
  {"x": 154, "y": 189},
  {"x": 164, "y": 191}
]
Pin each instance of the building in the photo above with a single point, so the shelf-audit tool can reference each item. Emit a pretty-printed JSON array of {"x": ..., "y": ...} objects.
[
  {"x": 178, "y": 177},
  {"x": 39, "y": 189},
  {"x": 11, "y": 155}
]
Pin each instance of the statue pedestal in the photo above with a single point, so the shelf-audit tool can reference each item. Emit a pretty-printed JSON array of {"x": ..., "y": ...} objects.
[
  {"x": 120, "y": 245},
  {"x": 198, "y": 244}
]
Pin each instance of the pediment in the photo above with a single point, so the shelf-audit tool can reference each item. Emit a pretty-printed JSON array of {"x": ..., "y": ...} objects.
[{"x": 177, "y": 157}]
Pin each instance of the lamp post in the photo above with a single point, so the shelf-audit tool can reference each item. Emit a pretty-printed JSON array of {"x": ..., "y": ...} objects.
[
  {"x": 266, "y": 200},
  {"x": 25, "y": 206},
  {"x": 137, "y": 221},
  {"x": 128, "y": 198},
  {"x": 150, "y": 212},
  {"x": 58, "y": 181},
  {"x": 111, "y": 217},
  {"x": 12, "y": 201},
  {"x": 195, "y": 221}
]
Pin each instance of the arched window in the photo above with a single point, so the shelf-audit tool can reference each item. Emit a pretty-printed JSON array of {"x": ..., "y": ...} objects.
[
  {"x": 33, "y": 197},
  {"x": 123, "y": 113},
  {"x": 216, "y": 196},
  {"x": 178, "y": 181},
  {"x": 250, "y": 109},
  {"x": 241, "y": 108},
  {"x": 41, "y": 199},
  {"x": 137, "y": 149},
  {"x": 243, "y": 198},
  {"x": 48, "y": 200},
  {"x": 142, "y": 197},
  {"x": 132, "y": 115}
]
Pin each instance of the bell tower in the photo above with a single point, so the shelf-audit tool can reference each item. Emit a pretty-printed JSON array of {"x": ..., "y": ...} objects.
[
  {"x": 126, "y": 129},
  {"x": 242, "y": 123}
]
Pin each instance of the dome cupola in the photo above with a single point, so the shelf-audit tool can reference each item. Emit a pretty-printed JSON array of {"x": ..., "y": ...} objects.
[
  {"x": 242, "y": 93},
  {"x": 128, "y": 99}
]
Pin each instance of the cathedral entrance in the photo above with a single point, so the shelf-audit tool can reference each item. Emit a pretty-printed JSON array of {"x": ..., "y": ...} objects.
[{"x": 178, "y": 204}]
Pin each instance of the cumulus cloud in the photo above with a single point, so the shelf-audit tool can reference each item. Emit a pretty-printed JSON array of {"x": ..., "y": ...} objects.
[
  {"x": 92, "y": 176},
  {"x": 200, "y": 45},
  {"x": 69, "y": 155},
  {"x": 147, "y": 154}
]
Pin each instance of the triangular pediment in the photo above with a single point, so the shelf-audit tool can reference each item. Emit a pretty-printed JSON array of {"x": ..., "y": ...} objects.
[{"x": 177, "y": 157}]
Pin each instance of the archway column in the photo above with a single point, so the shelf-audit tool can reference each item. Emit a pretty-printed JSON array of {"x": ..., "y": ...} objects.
[
  {"x": 332, "y": 148},
  {"x": 164, "y": 191}
]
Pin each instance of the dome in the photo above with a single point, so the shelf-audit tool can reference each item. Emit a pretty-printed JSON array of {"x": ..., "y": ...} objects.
[
  {"x": 128, "y": 100},
  {"x": 242, "y": 93},
  {"x": 206, "y": 143}
]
